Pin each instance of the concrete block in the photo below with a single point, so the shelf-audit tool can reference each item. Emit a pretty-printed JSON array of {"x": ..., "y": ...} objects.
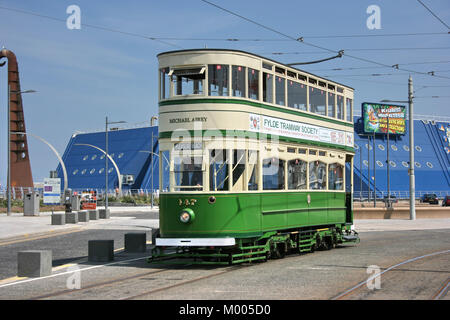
[
  {"x": 135, "y": 242},
  {"x": 101, "y": 250},
  {"x": 93, "y": 215},
  {"x": 71, "y": 217},
  {"x": 83, "y": 216},
  {"x": 104, "y": 213},
  {"x": 34, "y": 263},
  {"x": 58, "y": 219}
]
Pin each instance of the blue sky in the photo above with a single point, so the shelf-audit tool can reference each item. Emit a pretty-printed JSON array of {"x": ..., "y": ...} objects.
[{"x": 84, "y": 75}]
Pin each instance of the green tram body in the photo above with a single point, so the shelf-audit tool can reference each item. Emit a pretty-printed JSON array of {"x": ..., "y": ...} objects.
[{"x": 260, "y": 224}]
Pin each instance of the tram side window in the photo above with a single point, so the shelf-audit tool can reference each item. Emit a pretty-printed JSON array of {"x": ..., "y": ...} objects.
[
  {"x": 297, "y": 174},
  {"x": 349, "y": 105},
  {"x": 317, "y": 101},
  {"x": 238, "y": 81},
  {"x": 273, "y": 174},
  {"x": 331, "y": 105},
  {"x": 188, "y": 173},
  {"x": 165, "y": 171},
  {"x": 267, "y": 87},
  {"x": 296, "y": 95},
  {"x": 218, "y": 80},
  {"x": 218, "y": 170},
  {"x": 238, "y": 169},
  {"x": 164, "y": 79},
  {"x": 340, "y": 107},
  {"x": 253, "y": 84},
  {"x": 335, "y": 177},
  {"x": 317, "y": 175},
  {"x": 189, "y": 81},
  {"x": 253, "y": 170},
  {"x": 279, "y": 90}
]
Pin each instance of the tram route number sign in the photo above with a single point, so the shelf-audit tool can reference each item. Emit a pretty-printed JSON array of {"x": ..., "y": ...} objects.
[
  {"x": 375, "y": 118},
  {"x": 299, "y": 130}
]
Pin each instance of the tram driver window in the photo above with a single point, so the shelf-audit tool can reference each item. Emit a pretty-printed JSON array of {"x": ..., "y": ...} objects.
[
  {"x": 188, "y": 173},
  {"x": 218, "y": 170},
  {"x": 317, "y": 101},
  {"x": 188, "y": 81},
  {"x": 273, "y": 174},
  {"x": 317, "y": 175},
  {"x": 218, "y": 80}
]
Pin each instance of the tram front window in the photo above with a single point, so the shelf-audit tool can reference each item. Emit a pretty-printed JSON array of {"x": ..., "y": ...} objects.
[
  {"x": 188, "y": 173},
  {"x": 188, "y": 81},
  {"x": 218, "y": 170},
  {"x": 273, "y": 174}
]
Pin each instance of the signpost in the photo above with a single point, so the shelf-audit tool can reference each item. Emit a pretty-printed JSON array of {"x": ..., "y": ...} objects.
[{"x": 52, "y": 190}]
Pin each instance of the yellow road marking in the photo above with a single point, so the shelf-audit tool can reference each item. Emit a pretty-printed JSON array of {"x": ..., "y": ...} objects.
[{"x": 27, "y": 237}]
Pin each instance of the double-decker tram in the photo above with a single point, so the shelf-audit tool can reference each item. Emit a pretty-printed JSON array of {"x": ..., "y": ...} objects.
[{"x": 256, "y": 158}]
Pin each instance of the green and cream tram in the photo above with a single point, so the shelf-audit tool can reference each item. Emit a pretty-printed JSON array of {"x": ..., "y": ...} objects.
[{"x": 253, "y": 158}]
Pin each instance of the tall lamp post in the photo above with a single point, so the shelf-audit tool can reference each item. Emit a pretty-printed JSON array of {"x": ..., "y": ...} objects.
[
  {"x": 106, "y": 159},
  {"x": 8, "y": 178},
  {"x": 412, "y": 182}
]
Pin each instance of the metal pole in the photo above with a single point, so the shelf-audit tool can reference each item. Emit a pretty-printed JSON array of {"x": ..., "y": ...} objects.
[
  {"x": 368, "y": 168},
  {"x": 412, "y": 186},
  {"x": 151, "y": 159},
  {"x": 374, "y": 178},
  {"x": 9, "y": 154},
  {"x": 360, "y": 173},
  {"x": 388, "y": 165},
  {"x": 106, "y": 164}
]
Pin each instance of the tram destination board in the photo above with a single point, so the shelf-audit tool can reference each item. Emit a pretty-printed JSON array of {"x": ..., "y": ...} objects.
[{"x": 375, "y": 118}]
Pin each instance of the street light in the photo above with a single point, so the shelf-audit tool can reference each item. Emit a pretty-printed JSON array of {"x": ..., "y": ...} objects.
[
  {"x": 8, "y": 178},
  {"x": 412, "y": 182},
  {"x": 106, "y": 159}
]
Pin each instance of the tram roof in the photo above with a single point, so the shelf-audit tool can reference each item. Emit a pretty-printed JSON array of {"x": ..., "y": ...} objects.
[{"x": 255, "y": 55}]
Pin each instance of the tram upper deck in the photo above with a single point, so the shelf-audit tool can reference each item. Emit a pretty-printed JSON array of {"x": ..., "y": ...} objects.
[{"x": 229, "y": 89}]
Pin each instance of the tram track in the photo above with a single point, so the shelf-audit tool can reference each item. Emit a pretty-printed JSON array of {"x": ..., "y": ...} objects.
[{"x": 361, "y": 285}]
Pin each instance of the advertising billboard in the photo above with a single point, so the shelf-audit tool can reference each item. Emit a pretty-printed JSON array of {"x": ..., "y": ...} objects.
[{"x": 376, "y": 115}]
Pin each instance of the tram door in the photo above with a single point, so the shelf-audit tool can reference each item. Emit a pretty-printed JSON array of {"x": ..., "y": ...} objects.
[{"x": 349, "y": 188}]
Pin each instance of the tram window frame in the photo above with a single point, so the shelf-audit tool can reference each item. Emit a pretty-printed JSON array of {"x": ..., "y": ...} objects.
[
  {"x": 252, "y": 174},
  {"x": 297, "y": 95},
  {"x": 195, "y": 78},
  {"x": 318, "y": 171},
  {"x": 274, "y": 168},
  {"x": 297, "y": 173},
  {"x": 280, "y": 91},
  {"x": 164, "y": 164},
  {"x": 317, "y": 101},
  {"x": 349, "y": 109},
  {"x": 268, "y": 87},
  {"x": 238, "y": 83},
  {"x": 253, "y": 83},
  {"x": 335, "y": 180},
  {"x": 164, "y": 83},
  {"x": 220, "y": 157},
  {"x": 218, "y": 76},
  {"x": 331, "y": 102},
  {"x": 193, "y": 167},
  {"x": 340, "y": 107},
  {"x": 238, "y": 166}
]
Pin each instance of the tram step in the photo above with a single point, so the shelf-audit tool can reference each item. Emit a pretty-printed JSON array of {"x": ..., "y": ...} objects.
[{"x": 350, "y": 238}]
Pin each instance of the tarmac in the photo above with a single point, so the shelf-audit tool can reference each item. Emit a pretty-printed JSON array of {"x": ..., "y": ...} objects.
[{"x": 18, "y": 226}]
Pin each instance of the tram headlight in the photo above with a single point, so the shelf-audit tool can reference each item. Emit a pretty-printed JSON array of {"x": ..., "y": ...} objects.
[{"x": 187, "y": 215}]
